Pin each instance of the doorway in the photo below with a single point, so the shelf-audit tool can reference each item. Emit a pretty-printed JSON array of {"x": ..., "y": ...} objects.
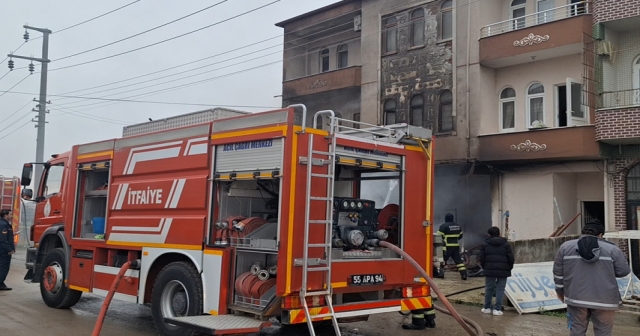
[
  {"x": 591, "y": 211},
  {"x": 633, "y": 212},
  {"x": 561, "y": 105}
]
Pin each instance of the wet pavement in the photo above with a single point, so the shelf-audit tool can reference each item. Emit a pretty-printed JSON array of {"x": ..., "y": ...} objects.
[{"x": 22, "y": 312}]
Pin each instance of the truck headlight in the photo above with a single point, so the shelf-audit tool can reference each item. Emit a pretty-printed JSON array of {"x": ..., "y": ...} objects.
[{"x": 356, "y": 237}]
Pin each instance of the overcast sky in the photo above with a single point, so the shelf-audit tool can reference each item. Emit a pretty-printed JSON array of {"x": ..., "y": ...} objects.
[{"x": 75, "y": 121}]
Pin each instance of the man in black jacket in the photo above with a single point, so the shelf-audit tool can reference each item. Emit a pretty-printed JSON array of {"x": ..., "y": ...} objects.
[
  {"x": 451, "y": 234},
  {"x": 496, "y": 259},
  {"x": 6, "y": 247}
]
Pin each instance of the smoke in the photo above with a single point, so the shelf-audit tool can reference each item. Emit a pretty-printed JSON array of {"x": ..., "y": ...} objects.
[{"x": 468, "y": 198}]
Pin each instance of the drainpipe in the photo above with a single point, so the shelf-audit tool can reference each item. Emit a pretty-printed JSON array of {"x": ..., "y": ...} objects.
[
  {"x": 500, "y": 201},
  {"x": 468, "y": 81}
]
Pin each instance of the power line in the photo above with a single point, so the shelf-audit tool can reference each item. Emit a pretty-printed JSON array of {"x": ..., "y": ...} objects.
[
  {"x": 16, "y": 121},
  {"x": 97, "y": 17},
  {"x": 87, "y": 116},
  {"x": 19, "y": 127},
  {"x": 3, "y": 76},
  {"x": 16, "y": 112},
  {"x": 167, "y": 40},
  {"x": 5, "y": 92},
  {"x": 141, "y": 33},
  {"x": 149, "y": 101}
]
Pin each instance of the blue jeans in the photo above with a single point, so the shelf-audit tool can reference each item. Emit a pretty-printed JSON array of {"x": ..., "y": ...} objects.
[{"x": 494, "y": 286}]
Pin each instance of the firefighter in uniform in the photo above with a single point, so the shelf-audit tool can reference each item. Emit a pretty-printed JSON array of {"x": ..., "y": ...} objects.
[
  {"x": 451, "y": 234},
  {"x": 421, "y": 319},
  {"x": 6, "y": 247}
]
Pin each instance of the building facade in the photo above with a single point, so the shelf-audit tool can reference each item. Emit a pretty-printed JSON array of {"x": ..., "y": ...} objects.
[{"x": 533, "y": 102}]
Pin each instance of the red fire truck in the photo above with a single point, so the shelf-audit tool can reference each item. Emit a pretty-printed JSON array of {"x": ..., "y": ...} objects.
[{"x": 240, "y": 220}]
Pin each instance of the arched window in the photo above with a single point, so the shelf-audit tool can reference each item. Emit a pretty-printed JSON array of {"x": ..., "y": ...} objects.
[
  {"x": 446, "y": 20},
  {"x": 324, "y": 60},
  {"x": 445, "y": 112},
  {"x": 343, "y": 56},
  {"x": 636, "y": 81},
  {"x": 507, "y": 109},
  {"x": 517, "y": 12},
  {"x": 390, "y": 112},
  {"x": 390, "y": 35},
  {"x": 417, "y": 111},
  {"x": 417, "y": 28},
  {"x": 535, "y": 105}
]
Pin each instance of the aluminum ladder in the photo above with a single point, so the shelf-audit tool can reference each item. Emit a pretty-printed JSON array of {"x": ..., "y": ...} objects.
[{"x": 323, "y": 265}]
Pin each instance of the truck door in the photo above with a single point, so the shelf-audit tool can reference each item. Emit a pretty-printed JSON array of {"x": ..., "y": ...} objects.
[{"x": 50, "y": 195}]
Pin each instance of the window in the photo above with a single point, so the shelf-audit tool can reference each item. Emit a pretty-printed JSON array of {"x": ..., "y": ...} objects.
[
  {"x": 445, "y": 112},
  {"x": 517, "y": 13},
  {"x": 535, "y": 105},
  {"x": 390, "y": 112},
  {"x": 343, "y": 56},
  {"x": 356, "y": 117},
  {"x": 390, "y": 35},
  {"x": 507, "y": 109},
  {"x": 636, "y": 81},
  {"x": 417, "y": 111},
  {"x": 417, "y": 28},
  {"x": 53, "y": 180},
  {"x": 324, "y": 60},
  {"x": 577, "y": 7},
  {"x": 446, "y": 20},
  {"x": 544, "y": 15},
  {"x": 633, "y": 184}
]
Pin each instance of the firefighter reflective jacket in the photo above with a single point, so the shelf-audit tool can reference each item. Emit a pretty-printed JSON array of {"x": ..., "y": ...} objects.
[{"x": 451, "y": 233}]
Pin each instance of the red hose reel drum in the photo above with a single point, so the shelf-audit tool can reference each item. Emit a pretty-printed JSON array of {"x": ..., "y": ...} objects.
[{"x": 388, "y": 219}]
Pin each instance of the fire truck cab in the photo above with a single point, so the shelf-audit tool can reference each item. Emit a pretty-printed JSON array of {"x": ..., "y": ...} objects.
[{"x": 240, "y": 220}]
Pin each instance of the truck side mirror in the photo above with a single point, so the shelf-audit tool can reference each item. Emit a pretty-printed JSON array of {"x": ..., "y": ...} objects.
[
  {"x": 27, "y": 171},
  {"x": 27, "y": 194}
]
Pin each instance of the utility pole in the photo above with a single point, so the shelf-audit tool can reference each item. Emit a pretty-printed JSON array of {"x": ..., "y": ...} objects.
[{"x": 42, "y": 111}]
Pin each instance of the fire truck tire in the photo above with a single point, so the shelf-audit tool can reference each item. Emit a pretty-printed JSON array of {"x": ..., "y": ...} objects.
[
  {"x": 52, "y": 289},
  {"x": 177, "y": 287}
]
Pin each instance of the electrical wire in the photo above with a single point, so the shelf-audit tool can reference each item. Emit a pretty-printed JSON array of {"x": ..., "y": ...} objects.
[
  {"x": 18, "y": 48},
  {"x": 3, "y": 76},
  {"x": 166, "y": 40},
  {"x": 9, "y": 90},
  {"x": 19, "y": 127},
  {"x": 141, "y": 33},
  {"x": 97, "y": 17},
  {"x": 16, "y": 112},
  {"x": 16, "y": 121},
  {"x": 88, "y": 116}
]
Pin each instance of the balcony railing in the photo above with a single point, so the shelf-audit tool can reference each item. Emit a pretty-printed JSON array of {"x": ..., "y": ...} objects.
[
  {"x": 542, "y": 17},
  {"x": 620, "y": 99}
]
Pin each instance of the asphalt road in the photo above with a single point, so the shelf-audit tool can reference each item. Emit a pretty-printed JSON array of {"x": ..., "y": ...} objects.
[{"x": 22, "y": 312}]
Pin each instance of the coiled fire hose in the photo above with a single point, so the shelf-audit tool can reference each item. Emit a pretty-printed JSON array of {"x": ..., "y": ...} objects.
[
  {"x": 465, "y": 322},
  {"x": 114, "y": 286}
]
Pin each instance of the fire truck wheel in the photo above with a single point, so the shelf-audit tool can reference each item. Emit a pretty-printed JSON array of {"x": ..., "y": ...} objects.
[
  {"x": 176, "y": 292},
  {"x": 52, "y": 289}
]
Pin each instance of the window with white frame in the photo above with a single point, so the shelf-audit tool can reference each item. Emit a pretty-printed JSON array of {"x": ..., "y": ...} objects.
[
  {"x": 343, "y": 56},
  {"x": 390, "y": 35},
  {"x": 507, "y": 109},
  {"x": 324, "y": 60},
  {"x": 417, "y": 28},
  {"x": 544, "y": 13},
  {"x": 446, "y": 20},
  {"x": 535, "y": 105},
  {"x": 517, "y": 12}
]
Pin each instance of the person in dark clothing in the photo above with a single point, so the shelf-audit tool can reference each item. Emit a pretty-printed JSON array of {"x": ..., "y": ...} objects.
[
  {"x": 6, "y": 247},
  {"x": 496, "y": 259},
  {"x": 451, "y": 234}
]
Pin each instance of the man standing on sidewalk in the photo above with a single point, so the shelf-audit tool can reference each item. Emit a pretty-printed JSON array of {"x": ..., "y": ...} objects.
[
  {"x": 585, "y": 272},
  {"x": 6, "y": 247},
  {"x": 496, "y": 259}
]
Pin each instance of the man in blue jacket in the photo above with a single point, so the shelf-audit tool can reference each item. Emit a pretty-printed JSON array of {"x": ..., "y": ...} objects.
[
  {"x": 6, "y": 247},
  {"x": 585, "y": 272}
]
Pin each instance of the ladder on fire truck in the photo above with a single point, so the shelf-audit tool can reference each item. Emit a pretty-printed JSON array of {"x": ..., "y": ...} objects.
[{"x": 323, "y": 265}]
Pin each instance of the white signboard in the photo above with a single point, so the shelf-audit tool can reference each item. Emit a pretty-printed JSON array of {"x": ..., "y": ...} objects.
[{"x": 531, "y": 288}]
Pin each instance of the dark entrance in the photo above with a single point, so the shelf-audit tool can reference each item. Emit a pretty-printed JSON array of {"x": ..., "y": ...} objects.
[{"x": 562, "y": 106}]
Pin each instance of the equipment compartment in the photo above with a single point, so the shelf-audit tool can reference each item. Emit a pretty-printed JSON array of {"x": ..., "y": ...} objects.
[
  {"x": 92, "y": 197},
  {"x": 255, "y": 279}
]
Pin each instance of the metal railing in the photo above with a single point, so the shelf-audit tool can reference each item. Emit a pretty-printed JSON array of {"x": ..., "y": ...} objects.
[
  {"x": 542, "y": 17},
  {"x": 619, "y": 99}
]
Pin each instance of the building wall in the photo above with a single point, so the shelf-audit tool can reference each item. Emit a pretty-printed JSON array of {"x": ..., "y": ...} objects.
[
  {"x": 618, "y": 123},
  {"x": 305, "y": 61},
  {"x": 609, "y": 10},
  {"x": 550, "y": 73}
]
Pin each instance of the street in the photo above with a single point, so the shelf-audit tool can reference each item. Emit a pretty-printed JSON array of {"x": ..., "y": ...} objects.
[{"x": 24, "y": 313}]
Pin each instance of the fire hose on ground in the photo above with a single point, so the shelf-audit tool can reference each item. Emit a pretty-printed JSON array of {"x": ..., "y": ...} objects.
[
  {"x": 466, "y": 323},
  {"x": 114, "y": 286}
]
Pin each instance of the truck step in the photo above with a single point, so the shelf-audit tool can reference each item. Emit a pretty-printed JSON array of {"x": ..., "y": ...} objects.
[{"x": 220, "y": 324}]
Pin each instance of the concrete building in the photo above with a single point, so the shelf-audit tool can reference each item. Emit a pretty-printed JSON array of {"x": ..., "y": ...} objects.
[
  {"x": 513, "y": 90},
  {"x": 616, "y": 59}
]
